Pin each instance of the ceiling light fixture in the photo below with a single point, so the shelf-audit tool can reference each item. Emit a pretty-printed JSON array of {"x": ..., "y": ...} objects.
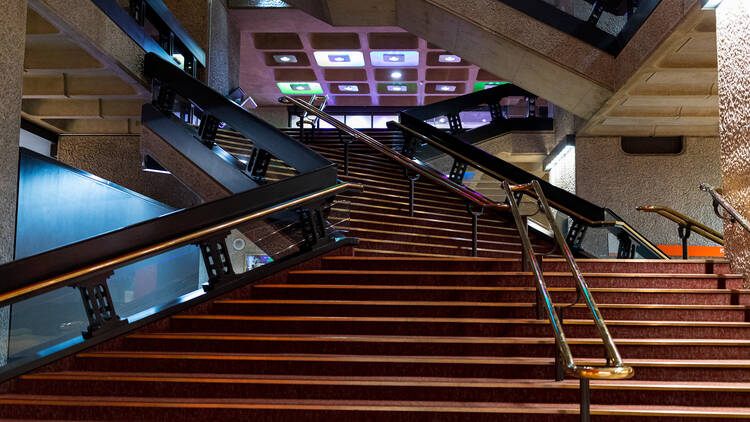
[
  {"x": 394, "y": 58},
  {"x": 396, "y": 88},
  {"x": 297, "y": 88},
  {"x": 396, "y": 74},
  {"x": 448, "y": 58},
  {"x": 339, "y": 58},
  {"x": 446, "y": 88},
  {"x": 565, "y": 147},
  {"x": 349, "y": 88},
  {"x": 285, "y": 58},
  {"x": 710, "y": 4}
]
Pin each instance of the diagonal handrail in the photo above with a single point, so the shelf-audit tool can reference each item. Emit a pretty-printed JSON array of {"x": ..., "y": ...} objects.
[
  {"x": 615, "y": 368},
  {"x": 720, "y": 201},
  {"x": 684, "y": 221}
]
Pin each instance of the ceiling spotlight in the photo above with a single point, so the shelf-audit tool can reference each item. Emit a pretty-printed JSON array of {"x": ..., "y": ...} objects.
[
  {"x": 396, "y": 75},
  {"x": 394, "y": 58},
  {"x": 285, "y": 58},
  {"x": 349, "y": 88},
  {"x": 339, "y": 58},
  {"x": 396, "y": 88},
  {"x": 484, "y": 120},
  {"x": 446, "y": 88},
  {"x": 442, "y": 120},
  {"x": 710, "y": 4},
  {"x": 448, "y": 58},
  {"x": 300, "y": 87}
]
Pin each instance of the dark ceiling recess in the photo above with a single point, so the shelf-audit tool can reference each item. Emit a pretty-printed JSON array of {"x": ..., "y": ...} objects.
[{"x": 643, "y": 145}]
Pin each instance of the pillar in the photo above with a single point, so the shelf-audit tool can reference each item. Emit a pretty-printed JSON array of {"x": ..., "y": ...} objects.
[
  {"x": 12, "y": 38},
  {"x": 733, "y": 48}
]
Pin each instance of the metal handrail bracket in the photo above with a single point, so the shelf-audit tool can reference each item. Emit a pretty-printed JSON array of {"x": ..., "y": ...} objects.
[{"x": 720, "y": 201}]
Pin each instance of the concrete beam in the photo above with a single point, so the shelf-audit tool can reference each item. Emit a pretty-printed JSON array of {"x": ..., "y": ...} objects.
[{"x": 82, "y": 109}]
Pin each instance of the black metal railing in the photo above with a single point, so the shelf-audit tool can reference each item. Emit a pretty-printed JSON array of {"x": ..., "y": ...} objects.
[
  {"x": 156, "y": 30},
  {"x": 439, "y": 147},
  {"x": 605, "y": 24}
]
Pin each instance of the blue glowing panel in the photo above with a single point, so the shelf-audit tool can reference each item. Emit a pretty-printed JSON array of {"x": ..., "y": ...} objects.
[
  {"x": 394, "y": 58},
  {"x": 339, "y": 58}
]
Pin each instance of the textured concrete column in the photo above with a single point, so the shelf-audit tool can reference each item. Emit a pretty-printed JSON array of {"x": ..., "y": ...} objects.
[
  {"x": 12, "y": 38},
  {"x": 224, "y": 50},
  {"x": 733, "y": 45}
]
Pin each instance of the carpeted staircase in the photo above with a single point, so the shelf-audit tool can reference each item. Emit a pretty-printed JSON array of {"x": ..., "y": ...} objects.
[{"x": 406, "y": 326}]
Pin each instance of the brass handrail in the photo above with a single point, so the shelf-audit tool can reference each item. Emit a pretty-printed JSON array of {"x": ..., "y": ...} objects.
[
  {"x": 685, "y": 221},
  {"x": 164, "y": 246},
  {"x": 603, "y": 223},
  {"x": 615, "y": 368},
  {"x": 718, "y": 200},
  {"x": 468, "y": 194}
]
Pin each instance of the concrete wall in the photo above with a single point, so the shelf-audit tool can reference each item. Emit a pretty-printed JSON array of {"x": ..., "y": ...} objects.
[
  {"x": 118, "y": 159},
  {"x": 224, "y": 50},
  {"x": 733, "y": 47},
  {"x": 277, "y": 116},
  {"x": 608, "y": 177}
]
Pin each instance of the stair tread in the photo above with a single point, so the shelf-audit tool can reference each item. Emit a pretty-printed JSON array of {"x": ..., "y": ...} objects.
[
  {"x": 435, "y": 339},
  {"x": 496, "y": 289},
  {"x": 464, "y": 303},
  {"x": 568, "y": 321},
  {"x": 517, "y": 273},
  {"x": 544, "y": 259}
]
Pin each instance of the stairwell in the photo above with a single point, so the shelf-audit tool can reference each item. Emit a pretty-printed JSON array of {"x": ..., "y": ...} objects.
[{"x": 407, "y": 326}]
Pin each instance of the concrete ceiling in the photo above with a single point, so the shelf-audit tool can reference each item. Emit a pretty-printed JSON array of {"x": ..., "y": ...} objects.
[
  {"x": 292, "y": 32},
  {"x": 67, "y": 90},
  {"x": 675, "y": 92}
]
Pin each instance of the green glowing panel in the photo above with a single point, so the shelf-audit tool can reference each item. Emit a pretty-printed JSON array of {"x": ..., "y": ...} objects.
[
  {"x": 481, "y": 86},
  {"x": 300, "y": 88}
]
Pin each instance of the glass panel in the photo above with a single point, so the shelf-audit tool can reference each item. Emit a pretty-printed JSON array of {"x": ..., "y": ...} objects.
[
  {"x": 380, "y": 122},
  {"x": 359, "y": 121}
]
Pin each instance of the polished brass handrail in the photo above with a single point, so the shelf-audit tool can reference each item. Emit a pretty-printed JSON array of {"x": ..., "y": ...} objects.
[
  {"x": 604, "y": 223},
  {"x": 615, "y": 368},
  {"x": 468, "y": 194},
  {"x": 169, "y": 244},
  {"x": 719, "y": 201},
  {"x": 685, "y": 221}
]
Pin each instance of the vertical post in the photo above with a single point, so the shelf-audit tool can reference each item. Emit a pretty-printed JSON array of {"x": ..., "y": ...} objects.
[
  {"x": 475, "y": 213},
  {"x": 585, "y": 410},
  {"x": 346, "y": 158},
  {"x": 412, "y": 181},
  {"x": 684, "y": 233}
]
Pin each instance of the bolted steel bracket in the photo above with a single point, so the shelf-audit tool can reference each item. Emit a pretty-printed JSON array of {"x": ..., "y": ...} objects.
[{"x": 97, "y": 302}]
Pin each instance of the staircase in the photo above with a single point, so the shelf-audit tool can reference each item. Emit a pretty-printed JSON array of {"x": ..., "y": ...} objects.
[{"x": 408, "y": 327}]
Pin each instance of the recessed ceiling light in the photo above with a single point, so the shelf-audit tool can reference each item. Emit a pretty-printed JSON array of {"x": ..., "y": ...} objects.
[
  {"x": 446, "y": 88},
  {"x": 484, "y": 120},
  {"x": 396, "y": 74},
  {"x": 285, "y": 58},
  {"x": 296, "y": 88},
  {"x": 394, "y": 58},
  {"x": 339, "y": 58},
  {"x": 396, "y": 88},
  {"x": 442, "y": 120},
  {"x": 349, "y": 88},
  {"x": 448, "y": 58}
]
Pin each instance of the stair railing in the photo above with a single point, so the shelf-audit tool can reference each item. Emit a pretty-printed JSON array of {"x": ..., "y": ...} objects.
[
  {"x": 564, "y": 362},
  {"x": 685, "y": 226},
  {"x": 476, "y": 203},
  {"x": 719, "y": 201}
]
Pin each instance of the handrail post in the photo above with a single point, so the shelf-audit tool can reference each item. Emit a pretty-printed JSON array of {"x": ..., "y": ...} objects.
[
  {"x": 585, "y": 390},
  {"x": 559, "y": 365},
  {"x": 684, "y": 232},
  {"x": 412, "y": 188},
  {"x": 475, "y": 213}
]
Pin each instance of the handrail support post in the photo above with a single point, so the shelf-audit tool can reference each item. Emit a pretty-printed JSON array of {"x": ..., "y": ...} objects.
[
  {"x": 684, "y": 232},
  {"x": 475, "y": 213},
  {"x": 346, "y": 142},
  {"x": 585, "y": 390},
  {"x": 559, "y": 365},
  {"x": 412, "y": 182}
]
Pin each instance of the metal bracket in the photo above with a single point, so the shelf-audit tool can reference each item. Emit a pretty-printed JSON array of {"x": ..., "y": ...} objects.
[
  {"x": 313, "y": 226},
  {"x": 97, "y": 302},
  {"x": 216, "y": 258},
  {"x": 576, "y": 232},
  {"x": 496, "y": 112},
  {"x": 684, "y": 233},
  {"x": 410, "y": 146},
  {"x": 626, "y": 248},
  {"x": 532, "y": 106},
  {"x": 412, "y": 180},
  {"x": 257, "y": 166},
  {"x": 346, "y": 141},
  {"x": 454, "y": 121},
  {"x": 457, "y": 172},
  {"x": 165, "y": 99},
  {"x": 207, "y": 129},
  {"x": 475, "y": 213}
]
